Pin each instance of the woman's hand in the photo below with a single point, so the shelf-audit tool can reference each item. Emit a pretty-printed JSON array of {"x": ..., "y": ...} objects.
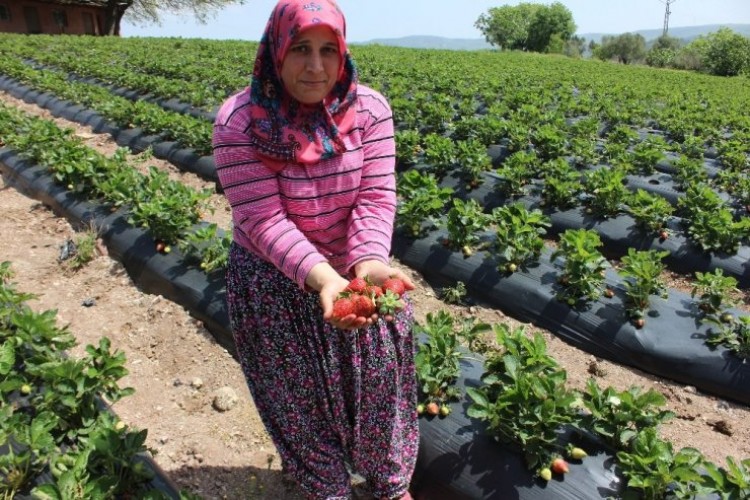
[
  {"x": 329, "y": 284},
  {"x": 378, "y": 272}
]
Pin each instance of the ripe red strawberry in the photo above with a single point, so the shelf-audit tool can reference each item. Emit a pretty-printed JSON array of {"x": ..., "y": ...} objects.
[
  {"x": 357, "y": 285},
  {"x": 374, "y": 291},
  {"x": 432, "y": 408},
  {"x": 559, "y": 466},
  {"x": 395, "y": 285},
  {"x": 343, "y": 307},
  {"x": 363, "y": 305}
]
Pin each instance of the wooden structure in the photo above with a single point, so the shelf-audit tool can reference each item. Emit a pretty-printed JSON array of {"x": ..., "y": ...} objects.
[{"x": 82, "y": 17}]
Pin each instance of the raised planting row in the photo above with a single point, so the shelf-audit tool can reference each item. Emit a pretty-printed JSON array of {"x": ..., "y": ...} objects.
[{"x": 58, "y": 437}]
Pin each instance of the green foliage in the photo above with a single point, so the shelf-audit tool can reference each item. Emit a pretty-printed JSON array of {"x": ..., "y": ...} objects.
[
  {"x": 606, "y": 191},
  {"x": 650, "y": 211},
  {"x": 438, "y": 360},
  {"x": 641, "y": 273},
  {"x": 465, "y": 222},
  {"x": 582, "y": 278},
  {"x": 619, "y": 416},
  {"x": 727, "y": 54},
  {"x": 518, "y": 235},
  {"x": 714, "y": 291},
  {"x": 627, "y": 48},
  {"x": 421, "y": 202},
  {"x": 524, "y": 398},
  {"x": 527, "y": 26},
  {"x": 655, "y": 471},
  {"x": 408, "y": 146}
]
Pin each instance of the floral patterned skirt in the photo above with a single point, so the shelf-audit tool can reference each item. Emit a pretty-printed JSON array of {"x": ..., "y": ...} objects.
[{"x": 328, "y": 397}]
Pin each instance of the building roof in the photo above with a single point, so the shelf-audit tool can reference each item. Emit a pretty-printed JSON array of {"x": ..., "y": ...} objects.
[{"x": 90, "y": 3}]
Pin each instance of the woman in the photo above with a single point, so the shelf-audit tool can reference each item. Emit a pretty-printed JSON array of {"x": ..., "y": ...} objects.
[{"x": 306, "y": 157}]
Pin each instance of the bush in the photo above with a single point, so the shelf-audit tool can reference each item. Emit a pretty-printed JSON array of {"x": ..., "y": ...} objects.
[{"x": 728, "y": 53}]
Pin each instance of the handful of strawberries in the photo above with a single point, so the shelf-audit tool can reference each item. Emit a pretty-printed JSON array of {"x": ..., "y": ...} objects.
[{"x": 362, "y": 298}]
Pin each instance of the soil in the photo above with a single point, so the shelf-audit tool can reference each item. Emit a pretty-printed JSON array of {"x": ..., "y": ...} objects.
[{"x": 177, "y": 367}]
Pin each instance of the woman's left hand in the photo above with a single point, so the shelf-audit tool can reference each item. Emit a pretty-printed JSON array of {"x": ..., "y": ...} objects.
[{"x": 378, "y": 272}]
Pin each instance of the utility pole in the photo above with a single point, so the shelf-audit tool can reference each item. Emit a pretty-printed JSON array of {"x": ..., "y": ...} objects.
[{"x": 667, "y": 12}]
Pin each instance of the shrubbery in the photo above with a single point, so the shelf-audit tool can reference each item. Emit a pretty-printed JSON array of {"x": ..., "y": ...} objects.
[{"x": 723, "y": 53}]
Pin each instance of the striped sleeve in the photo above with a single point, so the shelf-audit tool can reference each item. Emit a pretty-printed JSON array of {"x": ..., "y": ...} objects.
[
  {"x": 371, "y": 224},
  {"x": 252, "y": 190}
]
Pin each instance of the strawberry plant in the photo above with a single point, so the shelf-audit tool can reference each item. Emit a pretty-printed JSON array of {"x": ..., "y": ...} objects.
[
  {"x": 516, "y": 172},
  {"x": 654, "y": 471},
  {"x": 714, "y": 291},
  {"x": 207, "y": 246},
  {"x": 606, "y": 191},
  {"x": 650, "y": 211},
  {"x": 454, "y": 294},
  {"x": 693, "y": 147},
  {"x": 584, "y": 151},
  {"x": 619, "y": 416},
  {"x": 646, "y": 154},
  {"x": 523, "y": 396},
  {"x": 584, "y": 266},
  {"x": 439, "y": 154},
  {"x": 473, "y": 161},
  {"x": 731, "y": 333},
  {"x": 711, "y": 224},
  {"x": 518, "y": 235},
  {"x": 562, "y": 184},
  {"x": 438, "y": 360},
  {"x": 549, "y": 141},
  {"x": 465, "y": 222},
  {"x": 733, "y": 155},
  {"x": 167, "y": 208},
  {"x": 689, "y": 171},
  {"x": 421, "y": 201},
  {"x": 408, "y": 146},
  {"x": 641, "y": 273},
  {"x": 731, "y": 482}
]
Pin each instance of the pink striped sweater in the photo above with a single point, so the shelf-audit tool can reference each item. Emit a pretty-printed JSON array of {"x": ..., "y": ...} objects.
[{"x": 339, "y": 211}]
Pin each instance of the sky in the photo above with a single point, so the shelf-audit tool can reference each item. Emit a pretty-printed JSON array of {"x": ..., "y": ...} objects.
[{"x": 372, "y": 19}]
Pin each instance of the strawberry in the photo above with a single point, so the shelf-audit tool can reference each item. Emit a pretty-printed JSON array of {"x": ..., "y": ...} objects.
[
  {"x": 432, "y": 408},
  {"x": 395, "y": 285},
  {"x": 363, "y": 305},
  {"x": 559, "y": 466},
  {"x": 374, "y": 291},
  {"x": 577, "y": 453},
  {"x": 545, "y": 474},
  {"x": 420, "y": 409},
  {"x": 445, "y": 410},
  {"x": 343, "y": 307},
  {"x": 357, "y": 285}
]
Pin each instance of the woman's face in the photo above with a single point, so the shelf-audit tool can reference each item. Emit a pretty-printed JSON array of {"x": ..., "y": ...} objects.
[{"x": 311, "y": 65}]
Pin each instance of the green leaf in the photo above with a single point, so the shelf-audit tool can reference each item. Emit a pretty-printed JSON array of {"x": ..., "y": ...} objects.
[{"x": 7, "y": 358}]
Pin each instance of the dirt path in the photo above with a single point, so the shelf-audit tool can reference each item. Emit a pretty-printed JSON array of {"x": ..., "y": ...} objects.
[{"x": 177, "y": 368}]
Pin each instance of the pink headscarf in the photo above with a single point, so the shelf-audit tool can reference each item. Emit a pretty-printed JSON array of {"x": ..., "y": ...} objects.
[{"x": 282, "y": 129}]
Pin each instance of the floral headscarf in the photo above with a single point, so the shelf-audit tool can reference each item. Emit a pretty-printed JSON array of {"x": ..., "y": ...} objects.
[{"x": 282, "y": 129}]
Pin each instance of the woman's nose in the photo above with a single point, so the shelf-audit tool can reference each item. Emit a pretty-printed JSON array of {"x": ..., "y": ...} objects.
[{"x": 314, "y": 62}]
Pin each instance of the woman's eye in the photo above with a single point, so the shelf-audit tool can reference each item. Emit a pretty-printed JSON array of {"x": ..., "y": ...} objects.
[{"x": 301, "y": 49}]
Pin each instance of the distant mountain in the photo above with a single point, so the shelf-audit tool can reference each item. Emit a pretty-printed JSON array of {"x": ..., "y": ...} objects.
[
  {"x": 432, "y": 42},
  {"x": 687, "y": 34}
]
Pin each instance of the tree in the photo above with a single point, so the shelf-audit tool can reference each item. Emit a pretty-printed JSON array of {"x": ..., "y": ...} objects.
[
  {"x": 627, "y": 48},
  {"x": 663, "y": 52},
  {"x": 527, "y": 26},
  {"x": 727, "y": 53},
  {"x": 147, "y": 11},
  {"x": 575, "y": 47}
]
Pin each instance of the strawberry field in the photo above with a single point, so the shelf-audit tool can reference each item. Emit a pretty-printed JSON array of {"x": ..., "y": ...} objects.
[{"x": 557, "y": 191}]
